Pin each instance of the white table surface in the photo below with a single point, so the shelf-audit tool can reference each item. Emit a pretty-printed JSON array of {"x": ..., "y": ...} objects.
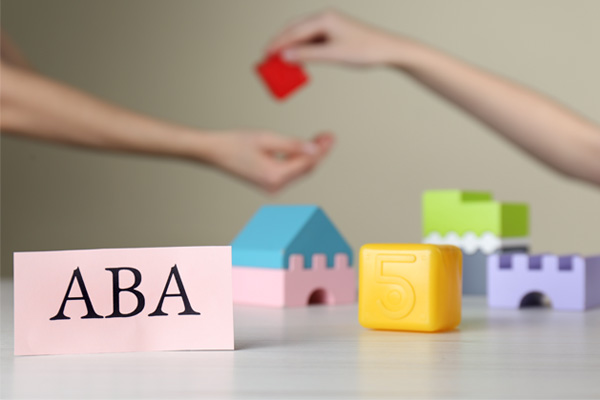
[{"x": 322, "y": 352}]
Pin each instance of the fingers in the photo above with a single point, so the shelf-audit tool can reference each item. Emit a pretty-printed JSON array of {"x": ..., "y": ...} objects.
[
  {"x": 325, "y": 142},
  {"x": 304, "y": 31},
  {"x": 288, "y": 146},
  {"x": 306, "y": 53},
  {"x": 281, "y": 172},
  {"x": 334, "y": 37},
  {"x": 266, "y": 159}
]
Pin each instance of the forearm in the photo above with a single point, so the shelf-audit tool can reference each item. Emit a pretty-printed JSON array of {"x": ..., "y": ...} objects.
[
  {"x": 40, "y": 108},
  {"x": 555, "y": 135}
]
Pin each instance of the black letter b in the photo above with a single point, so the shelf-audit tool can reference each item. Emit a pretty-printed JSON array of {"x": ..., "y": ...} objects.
[{"x": 117, "y": 291}]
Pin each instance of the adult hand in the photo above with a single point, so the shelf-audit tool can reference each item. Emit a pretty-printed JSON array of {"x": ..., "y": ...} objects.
[
  {"x": 333, "y": 37},
  {"x": 267, "y": 159},
  {"x": 37, "y": 107}
]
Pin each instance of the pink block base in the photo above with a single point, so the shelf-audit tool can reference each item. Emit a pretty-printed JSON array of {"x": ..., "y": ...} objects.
[{"x": 296, "y": 286}]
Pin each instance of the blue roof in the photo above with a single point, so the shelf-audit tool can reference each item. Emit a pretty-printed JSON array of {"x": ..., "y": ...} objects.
[{"x": 277, "y": 231}]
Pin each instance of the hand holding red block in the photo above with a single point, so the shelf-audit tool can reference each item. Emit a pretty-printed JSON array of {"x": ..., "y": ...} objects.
[{"x": 281, "y": 77}]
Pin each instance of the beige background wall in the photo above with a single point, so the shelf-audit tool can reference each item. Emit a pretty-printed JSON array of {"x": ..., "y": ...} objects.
[{"x": 192, "y": 62}]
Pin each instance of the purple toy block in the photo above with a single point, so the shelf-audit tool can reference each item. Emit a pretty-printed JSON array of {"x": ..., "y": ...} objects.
[{"x": 571, "y": 282}]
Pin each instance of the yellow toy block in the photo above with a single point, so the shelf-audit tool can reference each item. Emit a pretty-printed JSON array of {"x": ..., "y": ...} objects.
[{"x": 410, "y": 287}]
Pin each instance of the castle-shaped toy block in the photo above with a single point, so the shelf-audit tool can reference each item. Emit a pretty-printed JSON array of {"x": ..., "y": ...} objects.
[
  {"x": 291, "y": 256},
  {"x": 477, "y": 224},
  {"x": 413, "y": 287},
  {"x": 570, "y": 282}
]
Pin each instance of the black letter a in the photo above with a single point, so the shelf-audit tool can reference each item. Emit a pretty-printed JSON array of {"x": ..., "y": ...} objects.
[
  {"x": 188, "y": 308},
  {"x": 84, "y": 296}
]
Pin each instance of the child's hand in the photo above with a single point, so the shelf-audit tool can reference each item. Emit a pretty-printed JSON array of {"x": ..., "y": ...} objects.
[
  {"x": 267, "y": 159},
  {"x": 332, "y": 37}
]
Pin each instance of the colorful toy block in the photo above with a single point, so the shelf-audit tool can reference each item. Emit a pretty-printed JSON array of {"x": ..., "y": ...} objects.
[
  {"x": 474, "y": 275},
  {"x": 413, "y": 287},
  {"x": 475, "y": 271},
  {"x": 281, "y": 77},
  {"x": 289, "y": 256},
  {"x": 461, "y": 212},
  {"x": 478, "y": 225},
  {"x": 571, "y": 282},
  {"x": 487, "y": 243}
]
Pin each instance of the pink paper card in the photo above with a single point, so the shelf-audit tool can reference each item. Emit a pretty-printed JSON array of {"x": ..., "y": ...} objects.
[{"x": 120, "y": 300}]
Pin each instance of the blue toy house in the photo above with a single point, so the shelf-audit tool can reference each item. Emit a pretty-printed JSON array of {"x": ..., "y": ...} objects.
[{"x": 292, "y": 255}]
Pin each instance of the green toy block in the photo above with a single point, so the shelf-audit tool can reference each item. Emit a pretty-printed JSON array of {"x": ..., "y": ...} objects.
[{"x": 459, "y": 211}]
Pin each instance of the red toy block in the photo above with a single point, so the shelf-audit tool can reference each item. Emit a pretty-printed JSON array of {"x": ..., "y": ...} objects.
[{"x": 281, "y": 77}]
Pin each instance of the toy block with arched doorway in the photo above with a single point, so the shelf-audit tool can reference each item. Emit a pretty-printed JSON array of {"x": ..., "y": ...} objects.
[
  {"x": 569, "y": 282},
  {"x": 292, "y": 256}
]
